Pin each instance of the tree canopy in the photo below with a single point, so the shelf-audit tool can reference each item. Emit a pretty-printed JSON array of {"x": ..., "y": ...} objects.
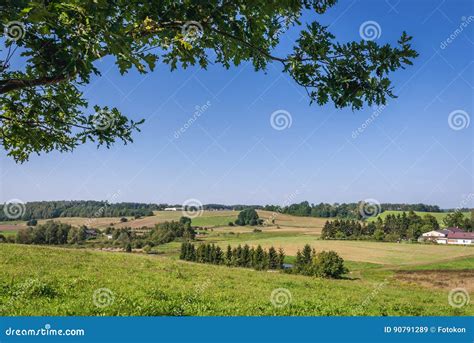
[{"x": 42, "y": 104}]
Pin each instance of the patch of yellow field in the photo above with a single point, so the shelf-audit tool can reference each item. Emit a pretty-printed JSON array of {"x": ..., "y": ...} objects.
[
  {"x": 310, "y": 225},
  {"x": 158, "y": 217},
  {"x": 365, "y": 251}
]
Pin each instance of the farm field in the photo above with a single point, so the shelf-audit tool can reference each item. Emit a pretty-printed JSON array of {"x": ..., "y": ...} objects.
[
  {"x": 39, "y": 280},
  {"x": 207, "y": 218},
  {"x": 365, "y": 251}
]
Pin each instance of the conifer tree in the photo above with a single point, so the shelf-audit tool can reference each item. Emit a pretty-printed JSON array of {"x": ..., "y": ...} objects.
[
  {"x": 219, "y": 256},
  {"x": 258, "y": 259},
  {"x": 307, "y": 254},
  {"x": 182, "y": 255},
  {"x": 246, "y": 261},
  {"x": 281, "y": 258},
  {"x": 228, "y": 256},
  {"x": 272, "y": 258},
  {"x": 298, "y": 261}
]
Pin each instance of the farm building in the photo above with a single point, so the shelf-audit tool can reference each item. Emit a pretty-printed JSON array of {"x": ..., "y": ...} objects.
[
  {"x": 451, "y": 235},
  {"x": 438, "y": 236},
  {"x": 173, "y": 209},
  {"x": 461, "y": 238}
]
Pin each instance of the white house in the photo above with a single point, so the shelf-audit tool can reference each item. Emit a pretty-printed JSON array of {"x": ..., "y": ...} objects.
[
  {"x": 173, "y": 209},
  {"x": 438, "y": 236}
]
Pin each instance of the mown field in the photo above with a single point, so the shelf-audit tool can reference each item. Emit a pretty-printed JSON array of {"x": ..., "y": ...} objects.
[
  {"x": 38, "y": 280},
  {"x": 365, "y": 251}
]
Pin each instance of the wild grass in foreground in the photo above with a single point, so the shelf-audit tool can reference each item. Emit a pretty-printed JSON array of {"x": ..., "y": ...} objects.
[{"x": 38, "y": 280}]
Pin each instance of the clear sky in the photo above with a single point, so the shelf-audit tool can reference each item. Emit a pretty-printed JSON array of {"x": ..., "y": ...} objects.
[{"x": 231, "y": 153}]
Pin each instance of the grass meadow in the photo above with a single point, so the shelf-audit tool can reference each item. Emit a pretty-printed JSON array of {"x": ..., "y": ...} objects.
[{"x": 37, "y": 280}]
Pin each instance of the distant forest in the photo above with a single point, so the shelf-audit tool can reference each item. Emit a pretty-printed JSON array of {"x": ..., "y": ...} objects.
[
  {"x": 80, "y": 208},
  {"x": 350, "y": 210},
  {"x": 90, "y": 209}
]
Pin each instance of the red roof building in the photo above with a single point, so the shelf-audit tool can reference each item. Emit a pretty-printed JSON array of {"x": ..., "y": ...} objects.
[{"x": 463, "y": 238}]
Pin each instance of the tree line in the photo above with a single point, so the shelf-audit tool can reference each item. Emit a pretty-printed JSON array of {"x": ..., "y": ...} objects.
[
  {"x": 55, "y": 233},
  {"x": 349, "y": 210},
  {"x": 79, "y": 208},
  {"x": 405, "y": 226},
  {"x": 308, "y": 262},
  {"x": 95, "y": 209},
  {"x": 245, "y": 257}
]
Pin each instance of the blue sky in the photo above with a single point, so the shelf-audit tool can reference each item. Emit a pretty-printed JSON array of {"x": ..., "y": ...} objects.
[{"x": 232, "y": 154}]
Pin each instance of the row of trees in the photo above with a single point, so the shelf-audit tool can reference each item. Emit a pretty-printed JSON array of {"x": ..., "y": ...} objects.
[
  {"x": 393, "y": 228},
  {"x": 350, "y": 210},
  {"x": 87, "y": 209},
  {"x": 308, "y": 262},
  {"x": 95, "y": 209},
  {"x": 54, "y": 233},
  {"x": 246, "y": 257},
  {"x": 162, "y": 233}
]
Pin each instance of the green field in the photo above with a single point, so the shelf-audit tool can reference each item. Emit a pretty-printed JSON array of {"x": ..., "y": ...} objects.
[
  {"x": 210, "y": 221},
  {"x": 8, "y": 233},
  {"x": 438, "y": 215},
  {"x": 54, "y": 281}
]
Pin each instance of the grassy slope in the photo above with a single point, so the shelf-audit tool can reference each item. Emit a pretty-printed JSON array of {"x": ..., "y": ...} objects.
[{"x": 64, "y": 281}]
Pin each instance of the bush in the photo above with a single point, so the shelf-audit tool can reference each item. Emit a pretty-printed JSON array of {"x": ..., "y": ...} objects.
[
  {"x": 123, "y": 220},
  {"x": 329, "y": 264},
  {"x": 248, "y": 217}
]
